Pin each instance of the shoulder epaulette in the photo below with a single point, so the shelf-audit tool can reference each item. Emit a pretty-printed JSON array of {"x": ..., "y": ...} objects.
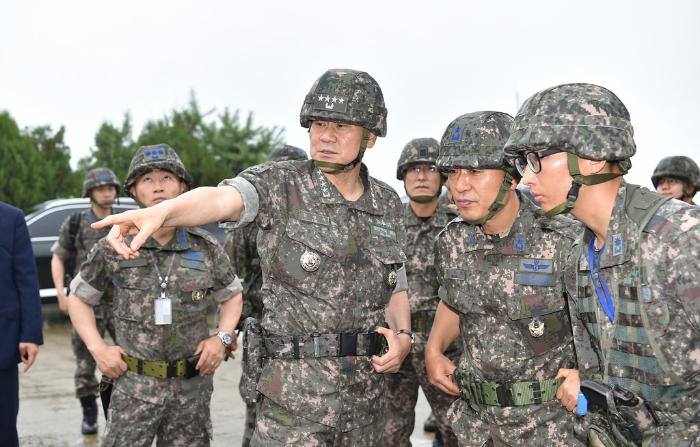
[{"x": 201, "y": 232}]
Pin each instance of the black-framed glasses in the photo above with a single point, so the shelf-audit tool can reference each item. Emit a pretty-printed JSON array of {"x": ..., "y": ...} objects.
[{"x": 532, "y": 159}]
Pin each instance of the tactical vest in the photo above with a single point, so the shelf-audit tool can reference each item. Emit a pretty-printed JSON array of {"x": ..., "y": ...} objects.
[{"x": 633, "y": 359}]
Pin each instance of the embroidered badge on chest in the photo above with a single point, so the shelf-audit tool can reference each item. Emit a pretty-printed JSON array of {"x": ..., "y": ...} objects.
[
  {"x": 519, "y": 244},
  {"x": 617, "y": 244}
]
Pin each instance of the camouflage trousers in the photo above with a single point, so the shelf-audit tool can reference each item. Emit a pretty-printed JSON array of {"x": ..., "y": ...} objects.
[
  {"x": 276, "y": 427},
  {"x": 402, "y": 394},
  {"x": 548, "y": 424},
  {"x": 249, "y": 427},
  {"x": 86, "y": 384},
  {"x": 679, "y": 434},
  {"x": 183, "y": 419}
]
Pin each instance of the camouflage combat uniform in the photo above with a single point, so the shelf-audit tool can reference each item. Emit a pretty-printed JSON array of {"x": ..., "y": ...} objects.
[
  {"x": 663, "y": 266},
  {"x": 402, "y": 387},
  {"x": 176, "y": 410},
  {"x": 638, "y": 322},
  {"x": 241, "y": 248},
  {"x": 501, "y": 287},
  {"x": 356, "y": 246},
  {"x": 85, "y": 239}
]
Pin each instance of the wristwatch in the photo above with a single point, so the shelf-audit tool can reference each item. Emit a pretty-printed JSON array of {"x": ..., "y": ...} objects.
[
  {"x": 225, "y": 338},
  {"x": 407, "y": 332}
]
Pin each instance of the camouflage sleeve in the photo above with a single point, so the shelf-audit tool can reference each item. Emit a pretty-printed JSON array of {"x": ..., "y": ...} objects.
[
  {"x": 442, "y": 291},
  {"x": 400, "y": 228},
  {"x": 683, "y": 267},
  {"x": 61, "y": 247},
  {"x": 250, "y": 199},
  {"x": 255, "y": 185},
  {"x": 401, "y": 280},
  {"x": 226, "y": 283},
  {"x": 236, "y": 249},
  {"x": 93, "y": 279}
]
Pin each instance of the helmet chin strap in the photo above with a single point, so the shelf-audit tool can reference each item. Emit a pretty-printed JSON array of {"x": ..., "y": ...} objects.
[
  {"x": 423, "y": 199},
  {"x": 426, "y": 199},
  {"x": 336, "y": 168},
  {"x": 499, "y": 202},
  {"x": 579, "y": 180}
]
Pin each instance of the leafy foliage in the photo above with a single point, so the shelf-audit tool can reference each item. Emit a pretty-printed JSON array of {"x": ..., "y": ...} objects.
[{"x": 35, "y": 162}]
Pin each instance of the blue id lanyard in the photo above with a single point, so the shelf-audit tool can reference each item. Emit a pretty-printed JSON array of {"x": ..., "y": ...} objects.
[{"x": 604, "y": 296}]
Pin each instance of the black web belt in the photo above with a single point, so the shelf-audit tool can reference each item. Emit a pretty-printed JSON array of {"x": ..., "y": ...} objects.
[{"x": 318, "y": 345}]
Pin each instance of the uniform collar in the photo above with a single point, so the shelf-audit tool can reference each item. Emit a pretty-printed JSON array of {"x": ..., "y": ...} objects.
[
  {"x": 514, "y": 243},
  {"x": 181, "y": 241},
  {"x": 369, "y": 201},
  {"x": 442, "y": 216},
  {"x": 618, "y": 249}
]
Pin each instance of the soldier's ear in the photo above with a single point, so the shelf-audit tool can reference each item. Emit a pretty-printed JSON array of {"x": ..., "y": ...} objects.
[
  {"x": 371, "y": 140},
  {"x": 591, "y": 167}
]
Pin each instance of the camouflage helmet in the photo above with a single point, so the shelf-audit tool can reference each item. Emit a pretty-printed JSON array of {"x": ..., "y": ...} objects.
[
  {"x": 583, "y": 119},
  {"x": 287, "y": 152},
  {"x": 159, "y": 156},
  {"x": 346, "y": 96},
  {"x": 475, "y": 140},
  {"x": 98, "y": 177},
  {"x": 679, "y": 167},
  {"x": 418, "y": 150}
]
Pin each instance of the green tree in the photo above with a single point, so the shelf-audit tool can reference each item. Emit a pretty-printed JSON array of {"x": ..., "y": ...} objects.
[
  {"x": 20, "y": 166},
  {"x": 57, "y": 178},
  {"x": 113, "y": 149},
  {"x": 212, "y": 149}
]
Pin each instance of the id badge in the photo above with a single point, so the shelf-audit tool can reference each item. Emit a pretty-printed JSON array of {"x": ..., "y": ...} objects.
[{"x": 164, "y": 314}]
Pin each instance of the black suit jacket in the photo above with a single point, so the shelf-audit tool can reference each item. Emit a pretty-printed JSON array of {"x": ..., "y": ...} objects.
[{"x": 20, "y": 304}]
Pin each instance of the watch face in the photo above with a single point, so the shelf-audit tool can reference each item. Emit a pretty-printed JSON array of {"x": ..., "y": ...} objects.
[{"x": 226, "y": 338}]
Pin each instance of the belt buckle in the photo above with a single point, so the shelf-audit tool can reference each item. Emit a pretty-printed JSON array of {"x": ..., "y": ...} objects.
[
  {"x": 317, "y": 344},
  {"x": 348, "y": 344},
  {"x": 504, "y": 394},
  {"x": 537, "y": 392}
]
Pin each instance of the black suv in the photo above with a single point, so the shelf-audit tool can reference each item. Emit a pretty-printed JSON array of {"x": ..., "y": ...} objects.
[{"x": 44, "y": 221}]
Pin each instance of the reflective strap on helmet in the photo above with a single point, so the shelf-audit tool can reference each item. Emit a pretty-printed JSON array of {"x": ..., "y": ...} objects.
[
  {"x": 339, "y": 167},
  {"x": 499, "y": 202}
]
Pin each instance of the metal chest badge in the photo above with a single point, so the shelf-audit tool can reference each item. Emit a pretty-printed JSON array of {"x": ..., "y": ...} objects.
[
  {"x": 391, "y": 278},
  {"x": 310, "y": 261},
  {"x": 197, "y": 295},
  {"x": 536, "y": 327}
]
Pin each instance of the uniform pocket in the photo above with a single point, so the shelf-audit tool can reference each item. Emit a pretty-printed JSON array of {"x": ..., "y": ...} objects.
[
  {"x": 303, "y": 255},
  {"x": 195, "y": 286},
  {"x": 136, "y": 293},
  {"x": 540, "y": 316}
]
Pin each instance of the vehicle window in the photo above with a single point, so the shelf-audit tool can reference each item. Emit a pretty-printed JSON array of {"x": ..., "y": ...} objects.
[{"x": 49, "y": 224}]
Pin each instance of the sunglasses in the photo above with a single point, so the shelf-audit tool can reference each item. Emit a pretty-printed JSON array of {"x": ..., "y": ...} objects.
[{"x": 532, "y": 159}]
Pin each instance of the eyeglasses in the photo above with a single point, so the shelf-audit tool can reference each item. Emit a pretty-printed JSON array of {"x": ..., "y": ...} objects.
[
  {"x": 425, "y": 168},
  {"x": 532, "y": 159}
]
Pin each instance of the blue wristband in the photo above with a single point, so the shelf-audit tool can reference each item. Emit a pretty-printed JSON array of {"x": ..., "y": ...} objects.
[{"x": 582, "y": 404}]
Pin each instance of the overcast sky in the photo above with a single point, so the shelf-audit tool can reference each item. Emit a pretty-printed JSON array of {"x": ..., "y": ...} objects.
[{"x": 79, "y": 63}]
